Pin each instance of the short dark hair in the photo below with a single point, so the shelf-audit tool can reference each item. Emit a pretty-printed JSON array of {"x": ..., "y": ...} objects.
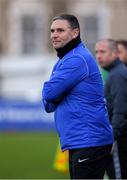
[
  {"x": 73, "y": 21},
  {"x": 122, "y": 42}
]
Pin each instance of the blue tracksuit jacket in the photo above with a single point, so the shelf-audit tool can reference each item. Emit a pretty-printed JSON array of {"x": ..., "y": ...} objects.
[{"x": 75, "y": 93}]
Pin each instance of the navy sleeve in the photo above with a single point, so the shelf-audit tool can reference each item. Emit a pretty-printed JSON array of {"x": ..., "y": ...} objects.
[
  {"x": 71, "y": 71},
  {"x": 119, "y": 94}
]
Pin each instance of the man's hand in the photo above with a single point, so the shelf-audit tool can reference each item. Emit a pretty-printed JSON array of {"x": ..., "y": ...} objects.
[{"x": 113, "y": 147}]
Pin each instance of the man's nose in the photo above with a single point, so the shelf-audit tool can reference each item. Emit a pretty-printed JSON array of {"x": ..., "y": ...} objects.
[
  {"x": 98, "y": 56},
  {"x": 54, "y": 34}
]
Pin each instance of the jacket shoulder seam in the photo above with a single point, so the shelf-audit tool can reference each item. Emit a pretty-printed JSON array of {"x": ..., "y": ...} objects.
[{"x": 79, "y": 55}]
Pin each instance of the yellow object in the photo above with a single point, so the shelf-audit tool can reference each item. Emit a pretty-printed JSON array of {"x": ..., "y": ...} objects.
[{"x": 61, "y": 160}]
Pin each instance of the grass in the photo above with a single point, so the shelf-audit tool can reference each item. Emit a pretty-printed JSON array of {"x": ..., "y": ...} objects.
[{"x": 28, "y": 156}]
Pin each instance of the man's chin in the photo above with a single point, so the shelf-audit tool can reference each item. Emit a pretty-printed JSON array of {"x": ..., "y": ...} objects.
[
  {"x": 103, "y": 66},
  {"x": 57, "y": 47}
]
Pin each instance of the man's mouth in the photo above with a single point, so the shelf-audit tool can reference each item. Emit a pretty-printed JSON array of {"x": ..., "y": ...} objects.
[{"x": 56, "y": 41}]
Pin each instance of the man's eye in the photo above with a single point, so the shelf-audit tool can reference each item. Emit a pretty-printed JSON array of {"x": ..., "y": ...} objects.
[
  {"x": 60, "y": 30},
  {"x": 52, "y": 30}
]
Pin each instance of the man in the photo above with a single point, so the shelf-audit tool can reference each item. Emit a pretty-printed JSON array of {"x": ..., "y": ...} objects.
[
  {"x": 116, "y": 95},
  {"x": 122, "y": 50},
  {"x": 75, "y": 93}
]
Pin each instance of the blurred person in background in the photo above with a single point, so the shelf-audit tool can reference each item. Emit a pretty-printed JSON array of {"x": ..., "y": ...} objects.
[
  {"x": 74, "y": 92},
  {"x": 122, "y": 50},
  {"x": 116, "y": 96}
]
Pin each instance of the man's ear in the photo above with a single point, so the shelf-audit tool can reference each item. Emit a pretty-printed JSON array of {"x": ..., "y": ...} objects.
[
  {"x": 75, "y": 32},
  {"x": 115, "y": 54}
]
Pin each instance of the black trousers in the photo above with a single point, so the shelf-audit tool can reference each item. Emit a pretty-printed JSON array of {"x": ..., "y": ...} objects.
[
  {"x": 117, "y": 168},
  {"x": 89, "y": 163}
]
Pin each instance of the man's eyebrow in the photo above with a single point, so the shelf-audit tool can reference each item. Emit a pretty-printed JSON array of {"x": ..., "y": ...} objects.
[
  {"x": 57, "y": 29},
  {"x": 102, "y": 51}
]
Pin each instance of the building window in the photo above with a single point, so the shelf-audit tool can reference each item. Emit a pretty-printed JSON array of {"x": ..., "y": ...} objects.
[
  {"x": 31, "y": 33},
  {"x": 90, "y": 31}
]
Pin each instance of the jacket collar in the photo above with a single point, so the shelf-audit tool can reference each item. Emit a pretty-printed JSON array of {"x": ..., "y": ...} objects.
[
  {"x": 113, "y": 64},
  {"x": 68, "y": 47}
]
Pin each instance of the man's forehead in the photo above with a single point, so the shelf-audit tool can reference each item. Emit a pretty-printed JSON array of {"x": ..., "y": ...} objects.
[
  {"x": 60, "y": 23},
  {"x": 121, "y": 46},
  {"x": 101, "y": 44}
]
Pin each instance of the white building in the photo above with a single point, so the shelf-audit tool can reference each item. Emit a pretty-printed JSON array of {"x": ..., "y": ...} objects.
[{"x": 26, "y": 53}]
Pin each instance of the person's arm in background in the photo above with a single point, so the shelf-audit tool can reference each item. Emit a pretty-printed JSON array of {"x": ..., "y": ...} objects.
[{"x": 119, "y": 97}]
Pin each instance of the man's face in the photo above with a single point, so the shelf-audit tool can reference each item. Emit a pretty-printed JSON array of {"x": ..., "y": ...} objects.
[
  {"x": 61, "y": 33},
  {"x": 104, "y": 54},
  {"x": 122, "y": 53}
]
